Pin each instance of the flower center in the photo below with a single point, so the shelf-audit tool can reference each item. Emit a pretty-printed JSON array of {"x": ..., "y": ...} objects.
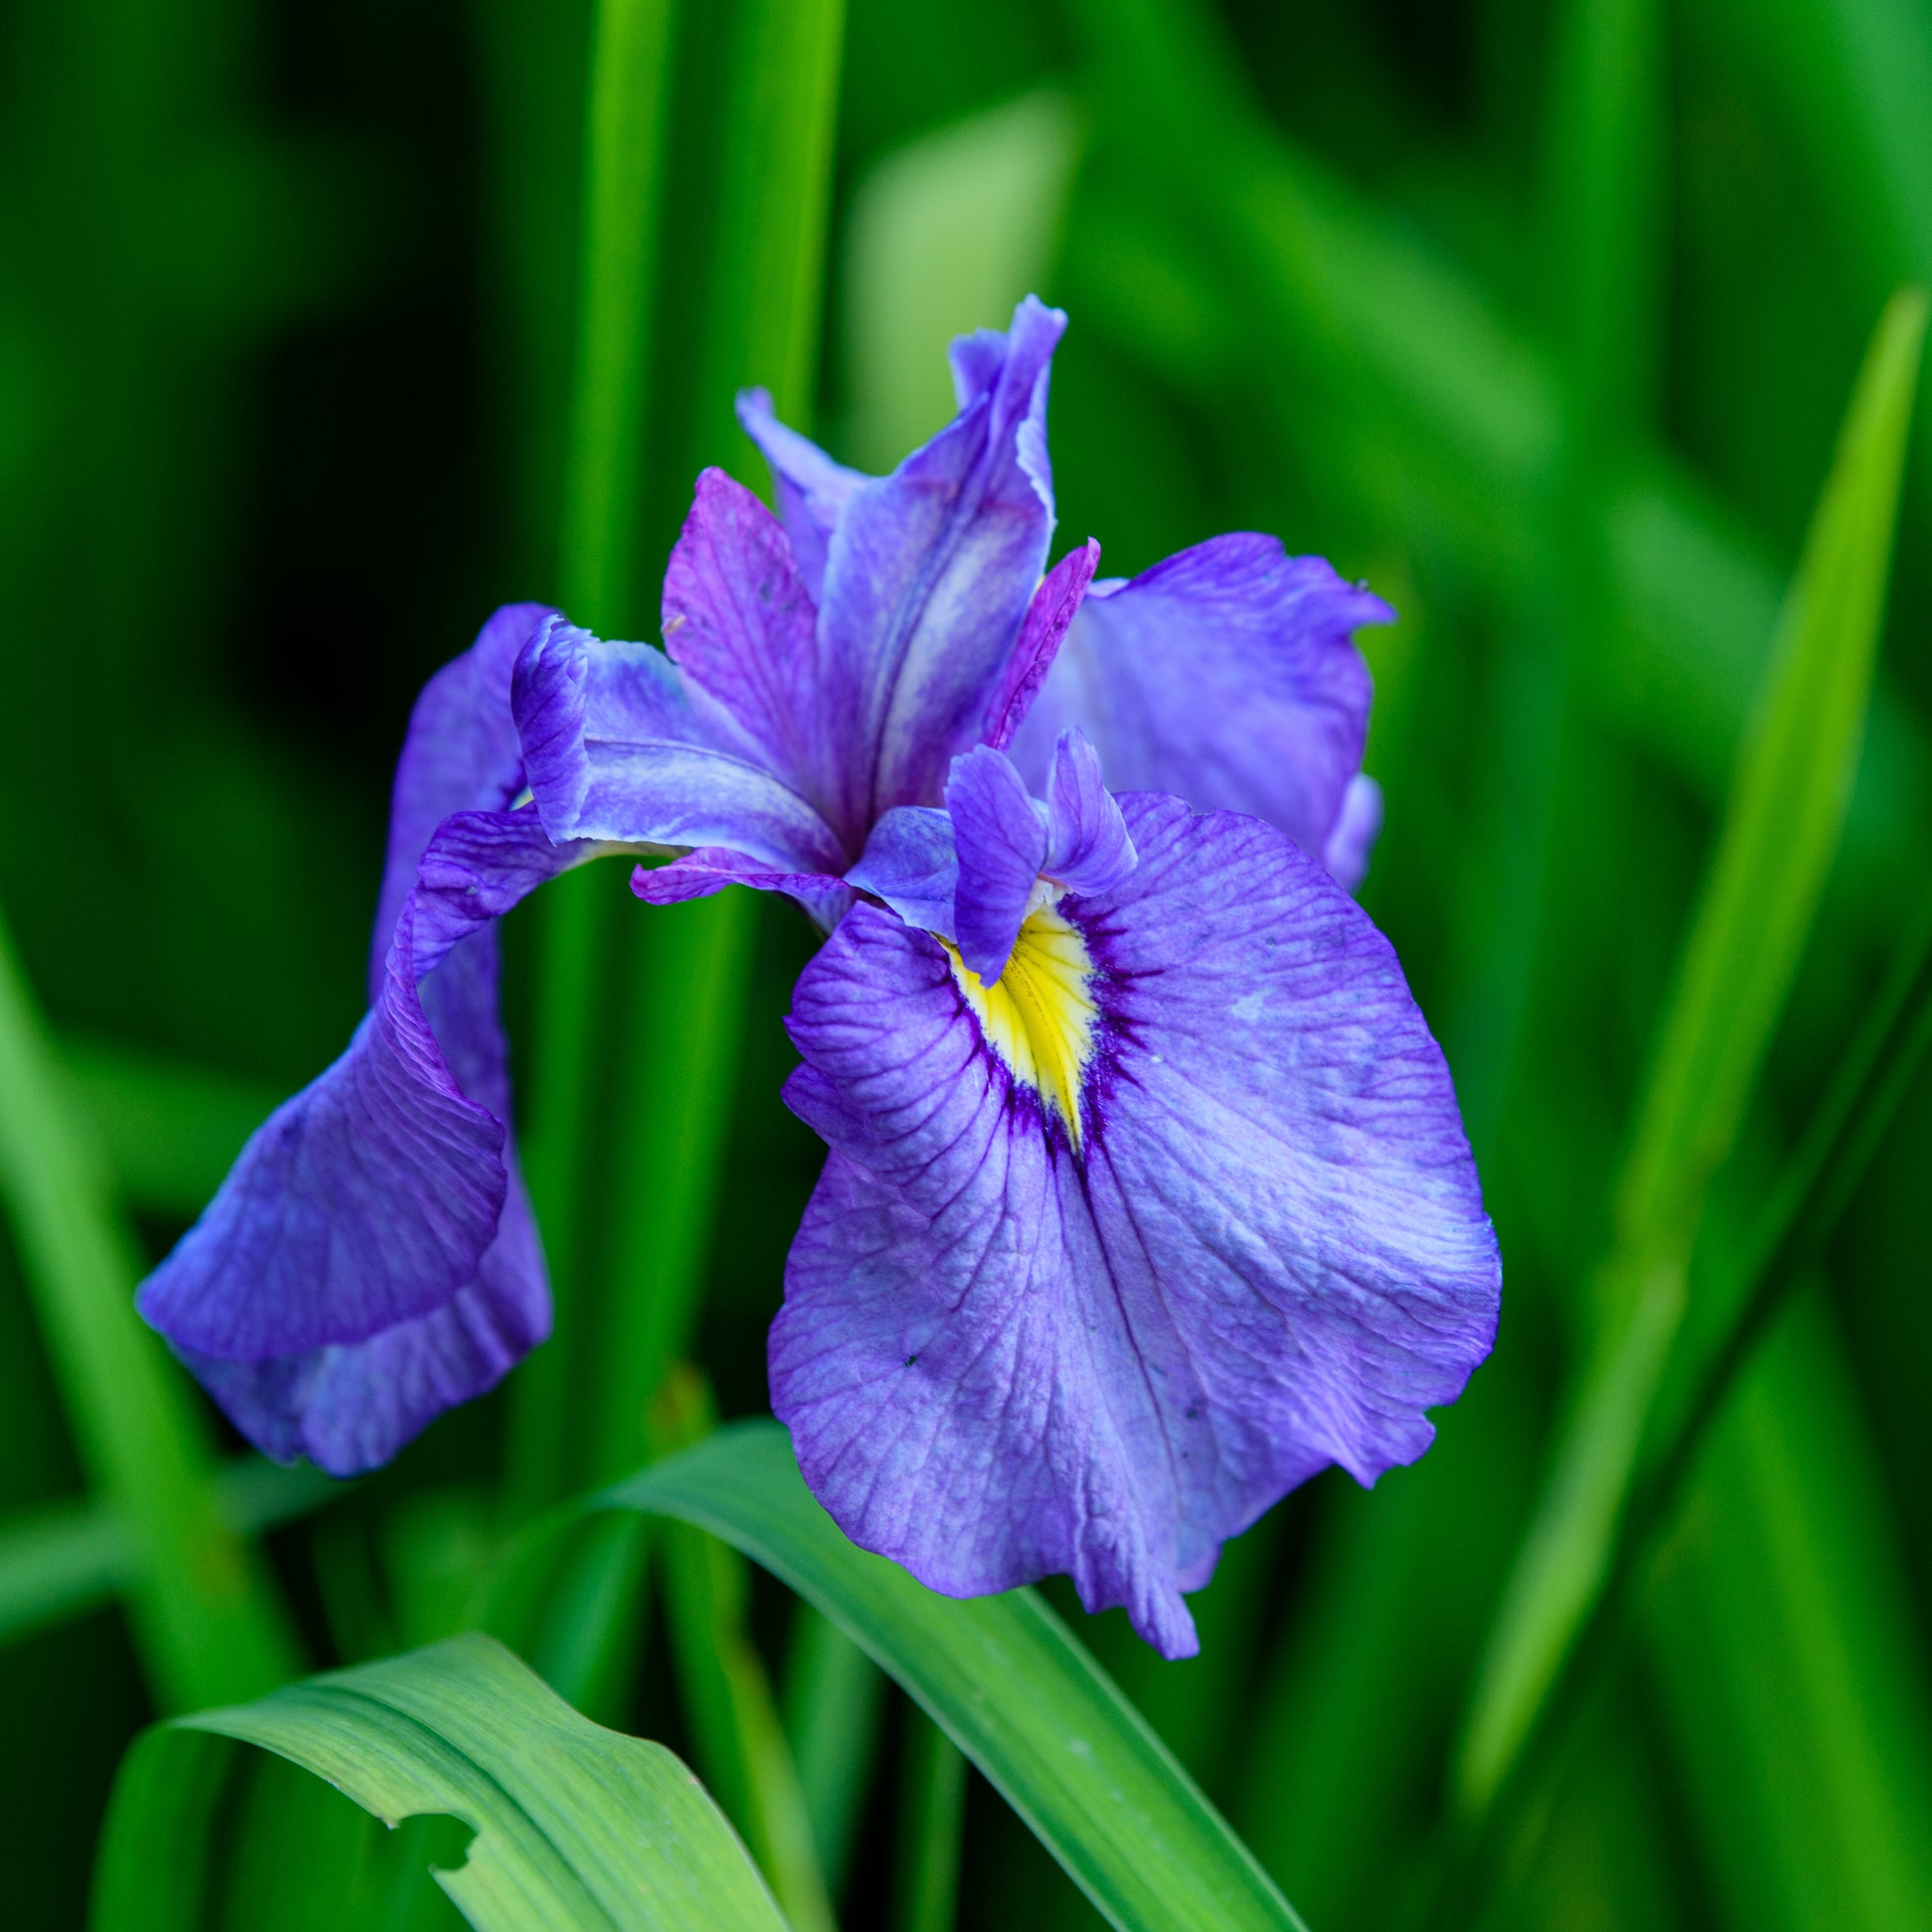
[{"x": 1038, "y": 1014}]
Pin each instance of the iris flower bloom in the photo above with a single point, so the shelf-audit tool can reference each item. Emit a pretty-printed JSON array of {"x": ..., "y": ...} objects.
[{"x": 1148, "y": 1194}]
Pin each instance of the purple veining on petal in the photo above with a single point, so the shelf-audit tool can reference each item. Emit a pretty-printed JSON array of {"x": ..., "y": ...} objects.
[
  {"x": 617, "y": 750},
  {"x": 911, "y": 863},
  {"x": 998, "y": 1358},
  {"x": 710, "y": 869},
  {"x": 1226, "y": 675},
  {"x": 1054, "y": 606},
  {"x": 811, "y": 488},
  {"x": 1087, "y": 847},
  {"x": 740, "y": 623}
]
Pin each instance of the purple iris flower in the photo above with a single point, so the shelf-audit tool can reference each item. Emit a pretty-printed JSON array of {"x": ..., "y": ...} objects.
[
  {"x": 1148, "y": 1194},
  {"x": 370, "y": 1260}
]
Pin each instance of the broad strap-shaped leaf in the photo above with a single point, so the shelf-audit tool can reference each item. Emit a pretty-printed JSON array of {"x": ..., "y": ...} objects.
[
  {"x": 578, "y": 1829},
  {"x": 1006, "y": 1680}
]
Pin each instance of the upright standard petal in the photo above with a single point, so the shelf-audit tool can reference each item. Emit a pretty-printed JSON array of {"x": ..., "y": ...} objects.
[
  {"x": 811, "y": 488},
  {"x": 370, "y": 1260},
  {"x": 739, "y": 623},
  {"x": 1227, "y": 675},
  {"x": 929, "y": 575},
  {"x": 1017, "y": 1340}
]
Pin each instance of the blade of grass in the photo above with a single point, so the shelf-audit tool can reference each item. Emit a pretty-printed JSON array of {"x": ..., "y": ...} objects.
[
  {"x": 1787, "y": 1647},
  {"x": 833, "y": 1702},
  {"x": 932, "y": 1818},
  {"x": 727, "y": 1696},
  {"x": 206, "y": 1618},
  {"x": 1787, "y": 807},
  {"x": 62, "y": 1560},
  {"x": 1005, "y": 1680},
  {"x": 575, "y": 1827},
  {"x": 1844, "y": 1134},
  {"x": 761, "y": 325},
  {"x": 625, "y": 140}
]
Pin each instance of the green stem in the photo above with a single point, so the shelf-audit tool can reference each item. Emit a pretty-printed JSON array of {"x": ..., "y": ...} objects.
[{"x": 206, "y": 1619}]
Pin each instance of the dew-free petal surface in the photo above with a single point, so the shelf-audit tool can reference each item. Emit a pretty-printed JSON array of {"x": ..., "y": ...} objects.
[{"x": 998, "y": 1359}]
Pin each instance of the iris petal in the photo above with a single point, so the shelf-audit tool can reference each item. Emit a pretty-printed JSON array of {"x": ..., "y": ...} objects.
[
  {"x": 1001, "y": 1355},
  {"x": 1226, "y": 675}
]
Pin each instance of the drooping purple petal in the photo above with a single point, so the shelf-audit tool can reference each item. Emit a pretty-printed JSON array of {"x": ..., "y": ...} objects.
[
  {"x": 371, "y": 1260},
  {"x": 1087, "y": 847},
  {"x": 1000, "y": 1358},
  {"x": 929, "y": 575},
  {"x": 1000, "y": 834},
  {"x": 913, "y": 863},
  {"x": 350, "y": 1405},
  {"x": 460, "y": 755},
  {"x": 370, "y": 1198},
  {"x": 711, "y": 867},
  {"x": 1053, "y": 609},
  {"x": 617, "y": 748},
  {"x": 812, "y": 489},
  {"x": 1226, "y": 675}
]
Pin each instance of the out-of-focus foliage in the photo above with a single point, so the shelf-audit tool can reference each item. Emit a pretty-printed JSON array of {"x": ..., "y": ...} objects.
[{"x": 1541, "y": 315}]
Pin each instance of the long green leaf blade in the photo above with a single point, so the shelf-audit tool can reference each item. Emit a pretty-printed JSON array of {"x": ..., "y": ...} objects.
[
  {"x": 206, "y": 1617},
  {"x": 1787, "y": 807},
  {"x": 1006, "y": 1680},
  {"x": 578, "y": 1829}
]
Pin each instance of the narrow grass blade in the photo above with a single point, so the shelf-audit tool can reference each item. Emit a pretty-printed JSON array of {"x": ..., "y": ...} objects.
[
  {"x": 1844, "y": 1134},
  {"x": 1785, "y": 1642},
  {"x": 624, "y": 142},
  {"x": 932, "y": 1818},
  {"x": 205, "y": 1614},
  {"x": 577, "y": 1829},
  {"x": 624, "y": 139},
  {"x": 780, "y": 116},
  {"x": 727, "y": 1696},
  {"x": 1005, "y": 1680},
  {"x": 1602, "y": 215},
  {"x": 833, "y": 1703},
  {"x": 1780, "y": 832},
  {"x": 62, "y": 1560}
]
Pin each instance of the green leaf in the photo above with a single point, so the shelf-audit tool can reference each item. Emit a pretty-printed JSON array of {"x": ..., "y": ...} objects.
[
  {"x": 1787, "y": 1647},
  {"x": 1005, "y": 1680},
  {"x": 63, "y": 1558},
  {"x": 577, "y": 1829},
  {"x": 1780, "y": 829},
  {"x": 721, "y": 1681},
  {"x": 205, "y": 1616},
  {"x": 832, "y": 1701}
]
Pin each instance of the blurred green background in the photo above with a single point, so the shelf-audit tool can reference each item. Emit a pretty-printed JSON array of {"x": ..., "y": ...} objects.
[{"x": 1538, "y": 315}]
